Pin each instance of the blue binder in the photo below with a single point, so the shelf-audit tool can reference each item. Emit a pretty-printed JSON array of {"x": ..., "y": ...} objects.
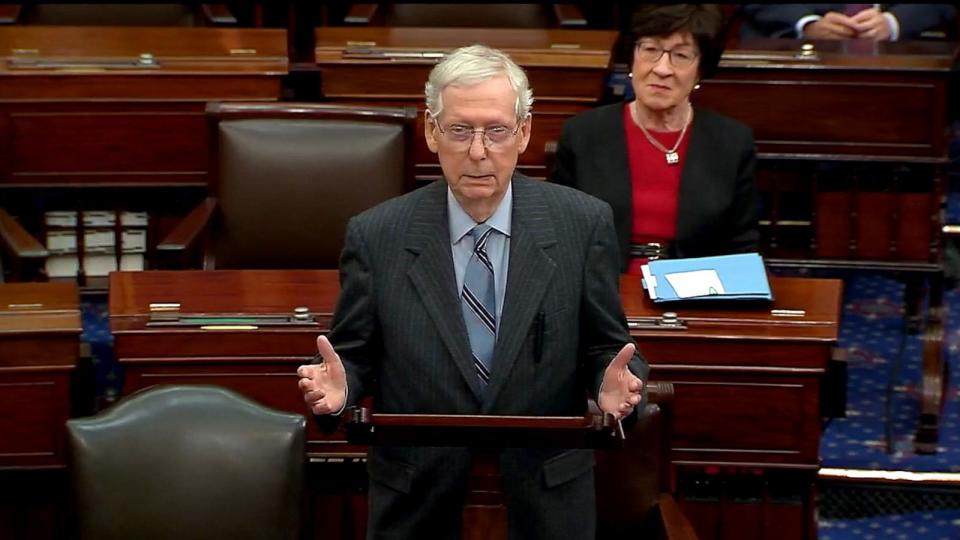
[{"x": 725, "y": 277}]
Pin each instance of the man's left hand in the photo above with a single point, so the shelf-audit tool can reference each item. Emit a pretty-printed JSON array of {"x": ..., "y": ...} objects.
[{"x": 621, "y": 389}]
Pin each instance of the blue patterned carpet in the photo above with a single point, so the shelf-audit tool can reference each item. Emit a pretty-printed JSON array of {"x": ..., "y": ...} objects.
[
  {"x": 941, "y": 525},
  {"x": 871, "y": 331}
]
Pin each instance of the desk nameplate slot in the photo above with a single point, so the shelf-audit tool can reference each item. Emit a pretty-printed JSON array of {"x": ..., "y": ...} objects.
[{"x": 234, "y": 323}]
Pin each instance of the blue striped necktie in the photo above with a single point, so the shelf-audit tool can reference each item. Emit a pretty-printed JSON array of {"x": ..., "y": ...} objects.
[{"x": 479, "y": 302}]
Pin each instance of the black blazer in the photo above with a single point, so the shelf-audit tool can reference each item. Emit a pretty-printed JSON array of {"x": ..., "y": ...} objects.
[
  {"x": 779, "y": 20},
  {"x": 718, "y": 204},
  {"x": 399, "y": 329}
]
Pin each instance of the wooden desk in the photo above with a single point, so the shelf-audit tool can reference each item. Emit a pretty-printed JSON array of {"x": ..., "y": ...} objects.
[
  {"x": 746, "y": 427},
  {"x": 567, "y": 69},
  {"x": 116, "y": 114},
  {"x": 876, "y": 112},
  {"x": 123, "y": 105},
  {"x": 39, "y": 346},
  {"x": 747, "y": 382},
  {"x": 260, "y": 363},
  {"x": 852, "y": 139},
  {"x": 851, "y": 98}
]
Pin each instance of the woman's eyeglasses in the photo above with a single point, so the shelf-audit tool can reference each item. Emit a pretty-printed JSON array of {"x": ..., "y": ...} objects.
[{"x": 681, "y": 56}]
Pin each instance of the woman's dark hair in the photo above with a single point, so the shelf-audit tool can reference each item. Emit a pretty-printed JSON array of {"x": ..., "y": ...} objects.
[{"x": 704, "y": 22}]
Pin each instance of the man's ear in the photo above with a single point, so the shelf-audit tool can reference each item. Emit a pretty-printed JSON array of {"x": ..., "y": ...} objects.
[
  {"x": 525, "y": 131},
  {"x": 430, "y": 131}
]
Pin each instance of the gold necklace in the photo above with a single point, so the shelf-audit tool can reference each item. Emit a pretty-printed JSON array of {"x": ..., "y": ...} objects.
[{"x": 671, "y": 154}]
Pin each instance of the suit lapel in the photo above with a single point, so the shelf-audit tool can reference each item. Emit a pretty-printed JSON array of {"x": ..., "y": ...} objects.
[
  {"x": 613, "y": 162},
  {"x": 695, "y": 171},
  {"x": 433, "y": 278},
  {"x": 531, "y": 268}
]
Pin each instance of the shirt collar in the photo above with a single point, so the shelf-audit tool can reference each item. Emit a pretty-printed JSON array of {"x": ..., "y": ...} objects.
[{"x": 461, "y": 223}]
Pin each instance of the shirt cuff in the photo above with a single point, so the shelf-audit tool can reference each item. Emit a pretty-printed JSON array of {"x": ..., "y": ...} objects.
[
  {"x": 346, "y": 397},
  {"x": 894, "y": 25},
  {"x": 803, "y": 22}
]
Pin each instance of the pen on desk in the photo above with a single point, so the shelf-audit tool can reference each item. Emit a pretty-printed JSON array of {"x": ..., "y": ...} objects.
[{"x": 538, "y": 344}]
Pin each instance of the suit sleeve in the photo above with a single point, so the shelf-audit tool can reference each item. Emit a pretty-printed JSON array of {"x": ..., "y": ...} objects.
[
  {"x": 354, "y": 331},
  {"x": 916, "y": 18},
  {"x": 603, "y": 323},
  {"x": 565, "y": 164},
  {"x": 745, "y": 235},
  {"x": 777, "y": 20}
]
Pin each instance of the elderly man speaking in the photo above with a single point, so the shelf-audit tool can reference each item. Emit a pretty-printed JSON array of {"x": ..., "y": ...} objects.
[{"x": 488, "y": 294}]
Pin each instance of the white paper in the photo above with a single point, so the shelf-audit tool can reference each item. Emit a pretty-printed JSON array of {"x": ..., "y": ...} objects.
[
  {"x": 649, "y": 281},
  {"x": 695, "y": 283}
]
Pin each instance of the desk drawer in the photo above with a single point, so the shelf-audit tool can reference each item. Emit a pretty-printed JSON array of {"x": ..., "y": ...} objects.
[
  {"x": 34, "y": 407},
  {"x": 721, "y": 418}
]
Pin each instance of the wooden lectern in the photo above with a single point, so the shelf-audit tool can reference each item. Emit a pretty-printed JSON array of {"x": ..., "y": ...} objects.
[{"x": 484, "y": 510}]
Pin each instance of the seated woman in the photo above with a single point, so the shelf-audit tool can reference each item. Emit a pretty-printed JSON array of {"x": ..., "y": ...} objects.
[{"x": 679, "y": 179}]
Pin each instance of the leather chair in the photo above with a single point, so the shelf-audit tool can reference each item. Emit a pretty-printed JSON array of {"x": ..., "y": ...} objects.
[
  {"x": 187, "y": 462},
  {"x": 288, "y": 177},
  {"x": 488, "y": 15},
  {"x": 634, "y": 494}
]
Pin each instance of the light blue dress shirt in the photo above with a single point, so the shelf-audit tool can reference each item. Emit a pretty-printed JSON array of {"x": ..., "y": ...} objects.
[{"x": 498, "y": 244}]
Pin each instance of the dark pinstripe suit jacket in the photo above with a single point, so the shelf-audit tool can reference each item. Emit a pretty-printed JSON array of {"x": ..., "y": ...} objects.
[{"x": 399, "y": 330}]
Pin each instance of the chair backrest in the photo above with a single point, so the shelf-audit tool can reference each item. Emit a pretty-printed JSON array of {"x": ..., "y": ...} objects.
[
  {"x": 289, "y": 176},
  {"x": 185, "y": 462}
]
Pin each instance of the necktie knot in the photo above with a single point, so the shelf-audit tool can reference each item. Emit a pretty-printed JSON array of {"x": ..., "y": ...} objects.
[
  {"x": 480, "y": 234},
  {"x": 852, "y": 9}
]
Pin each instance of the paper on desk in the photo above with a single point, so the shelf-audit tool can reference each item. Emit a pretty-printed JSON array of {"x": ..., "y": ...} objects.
[
  {"x": 649, "y": 282},
  {"x": 695, "y": 283}
]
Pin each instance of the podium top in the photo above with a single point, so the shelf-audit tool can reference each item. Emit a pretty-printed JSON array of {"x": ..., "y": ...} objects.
[{"x": 483, "y": 431}]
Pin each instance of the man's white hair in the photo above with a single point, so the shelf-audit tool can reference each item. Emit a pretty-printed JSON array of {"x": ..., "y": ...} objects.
[{"x": 475, "y": 64}]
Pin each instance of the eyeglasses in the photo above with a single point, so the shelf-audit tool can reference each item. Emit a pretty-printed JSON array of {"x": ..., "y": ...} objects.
[
  {"x": 461, "y": 137},
  {"x": 681, "y": 57}
]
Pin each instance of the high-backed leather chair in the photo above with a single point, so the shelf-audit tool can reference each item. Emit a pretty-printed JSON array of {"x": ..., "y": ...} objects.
[
  {"x": 634, "y": 494},
  {"x": 187, "y": 462},
  {"x": 288, "y": 177}
]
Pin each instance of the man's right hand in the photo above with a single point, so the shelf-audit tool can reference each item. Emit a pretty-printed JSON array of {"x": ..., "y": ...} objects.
[
  {"x": 324, "y": 385},
  {"x": 833, "y": 25}
]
